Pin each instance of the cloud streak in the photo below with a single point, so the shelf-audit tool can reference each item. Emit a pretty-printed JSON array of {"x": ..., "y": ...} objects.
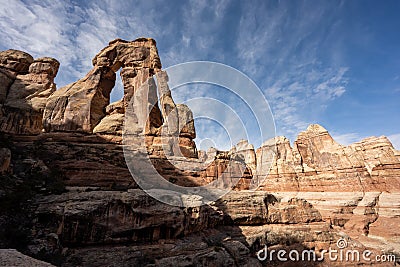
[
  {"x": 347, "y": 138},
  {"x": 282, "y": 49},
  {"x": 395, "y": 139}
]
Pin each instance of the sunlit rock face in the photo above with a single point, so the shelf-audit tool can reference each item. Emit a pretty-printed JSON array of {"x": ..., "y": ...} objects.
[
  {"x": 84, "y": 106},
  {"x": 81, "y": 105},
  {"x": 25, "y": 85},
  {"x": 31, "y": 104},
  {"x": 318, "y": 163},
  {"x": 352, "y": 186}
]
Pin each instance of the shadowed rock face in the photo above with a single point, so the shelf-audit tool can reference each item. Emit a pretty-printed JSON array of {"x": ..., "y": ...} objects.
[{"x": 11, "y": 257}]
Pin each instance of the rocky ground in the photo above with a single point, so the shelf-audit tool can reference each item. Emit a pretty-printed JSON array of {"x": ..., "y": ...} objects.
[{"x": 68, "y": 198}]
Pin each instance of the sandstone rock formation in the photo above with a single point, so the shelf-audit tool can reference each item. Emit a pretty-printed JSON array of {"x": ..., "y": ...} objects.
[
  {"x": 31, "y": 103},
  {"x": 25, "y": 86},
  {"x": 347, "y": 184},
  {"x": 92, "y": 222},
  {"x": 165, "y": 133},
  {"x": 12, "y": 62},
  {"x": 186, "y": 122},
  {"x": 69, "y": 197},
  {"x": 369, "y": 165},
  {"x": 81, "y": 106},
  {"x": 245, "y": 151},
  {"x": 113, "y": 122},
  {"x": 84, "y": 106},
  {"x": 112, "y": 218}
]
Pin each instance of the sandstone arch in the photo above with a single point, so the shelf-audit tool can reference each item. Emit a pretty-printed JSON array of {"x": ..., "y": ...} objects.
[
  {"x": 84, "y": 106},
  {"x": 81, "y": 106}
]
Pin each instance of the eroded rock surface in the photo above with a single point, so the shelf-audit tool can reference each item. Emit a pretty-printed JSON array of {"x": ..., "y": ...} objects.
[
  {"x": 80, "y": 106},
  {"x": 318, "y": 163},
  {"x": 84, "y": 106},
  {"x": 345, "y": 183},
  {"x": 25, "y": 86},
  {"x": 166, "y": 234}
]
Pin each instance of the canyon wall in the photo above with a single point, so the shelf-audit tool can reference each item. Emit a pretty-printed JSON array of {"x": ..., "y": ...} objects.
[
  {"x": 68, "y": 197},
  {"x": 318, "y": 163}
]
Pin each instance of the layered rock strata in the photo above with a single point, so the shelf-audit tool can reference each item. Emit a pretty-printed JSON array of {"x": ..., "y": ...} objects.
[
  {"x": 318, "y": 163},
  {"x": 196, "y": 235},
  {"x": 354, "y": 187}
]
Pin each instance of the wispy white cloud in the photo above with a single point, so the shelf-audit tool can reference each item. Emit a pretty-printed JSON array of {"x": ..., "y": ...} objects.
[
  {"x": 197, "y": 32},
  {"x": 395, "y": 139},
  {"x": 282, "y": 50},
  {"x": 298, "y": 98},
  {"x": 42, "y": 29},
  {"x": 67, "y": 30},
  {"x": 258, "y": 36},
  {"x": 346, "y": 138},
  {"x": 70, "y": 33}
]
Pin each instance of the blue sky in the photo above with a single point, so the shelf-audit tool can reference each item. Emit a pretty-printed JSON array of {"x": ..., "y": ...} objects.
[{"x": 336, "y": 63}]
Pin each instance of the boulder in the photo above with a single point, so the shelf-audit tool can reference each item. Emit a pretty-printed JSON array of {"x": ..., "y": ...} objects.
[
  {"x": 30, "y": 91},
  {"x": 12, "y": 62},
  {"x": 15, "y": 61},
  {"x": 11, "y": 257}
]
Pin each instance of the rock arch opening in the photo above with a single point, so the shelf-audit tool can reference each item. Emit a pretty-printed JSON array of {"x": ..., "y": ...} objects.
[{"x": 117, "y": 93}]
